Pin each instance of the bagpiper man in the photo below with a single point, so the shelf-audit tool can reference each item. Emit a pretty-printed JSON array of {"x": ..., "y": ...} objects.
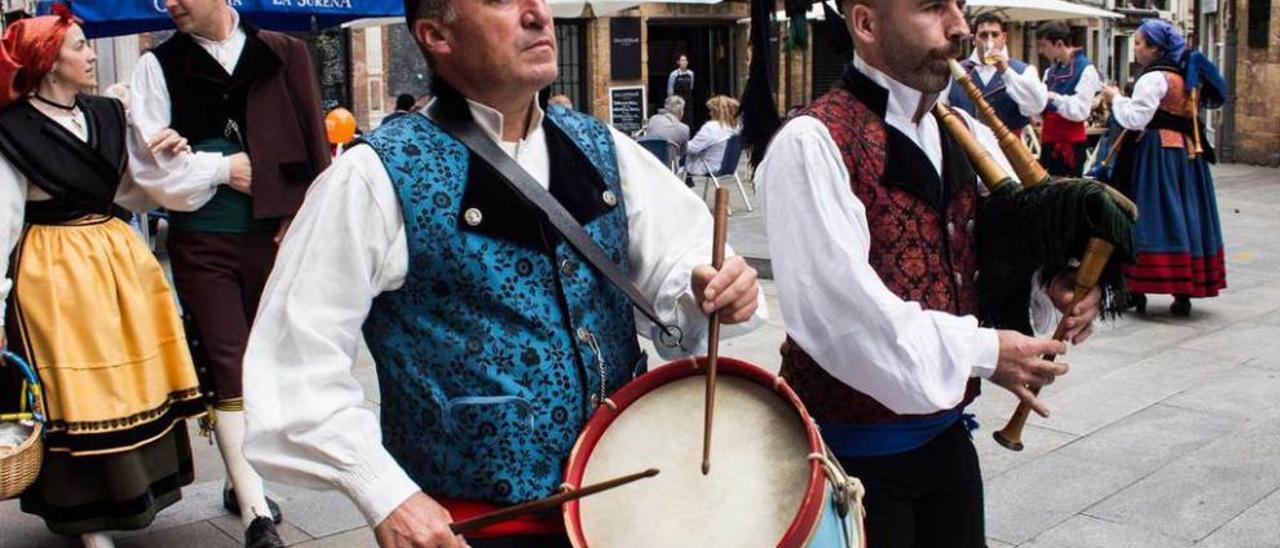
[
  {"x": 871, "y": 212},
  {"x": 248, "y": 102},
  {"x": 494, "y": 339}
]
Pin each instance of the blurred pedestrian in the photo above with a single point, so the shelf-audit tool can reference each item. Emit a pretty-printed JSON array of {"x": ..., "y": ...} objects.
[
  {"x": 667, "y": 124},
  {"x": 706, "y": 149},
  {"x": 404, "y": 105}
]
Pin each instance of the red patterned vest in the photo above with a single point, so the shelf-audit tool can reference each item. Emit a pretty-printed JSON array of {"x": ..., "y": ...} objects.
[{"x": 922, "y": 234}]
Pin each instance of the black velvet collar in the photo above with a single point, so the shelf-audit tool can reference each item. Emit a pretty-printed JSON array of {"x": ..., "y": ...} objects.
[
  {"x": 906, "y": 165},
  {"x": 575, "y": 183},
  {"x": 256, "y": 62}
]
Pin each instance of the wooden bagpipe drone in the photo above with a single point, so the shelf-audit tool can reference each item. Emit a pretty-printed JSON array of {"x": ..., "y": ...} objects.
[{"x": 1044, "y": 224}]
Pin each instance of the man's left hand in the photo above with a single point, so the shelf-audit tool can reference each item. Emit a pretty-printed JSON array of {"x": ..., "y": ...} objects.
[
  {"x": 732, "y": 291},
  {"x": 1079, "y": 319}
]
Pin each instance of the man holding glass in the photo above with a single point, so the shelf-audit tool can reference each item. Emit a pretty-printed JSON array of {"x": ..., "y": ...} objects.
[{"x": 1012, "y": 87}]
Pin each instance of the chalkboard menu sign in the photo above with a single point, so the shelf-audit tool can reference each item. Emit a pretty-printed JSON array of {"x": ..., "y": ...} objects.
[
  {"x": 627, "y": 108},
  {"x": 624, "y": 48}
]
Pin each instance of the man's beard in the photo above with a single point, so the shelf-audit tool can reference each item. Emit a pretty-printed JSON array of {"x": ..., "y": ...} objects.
[{"x": 925, "y": 71}]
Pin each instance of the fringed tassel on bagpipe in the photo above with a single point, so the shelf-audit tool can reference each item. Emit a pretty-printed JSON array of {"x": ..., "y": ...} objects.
[{"x": 1045, "y": 228}]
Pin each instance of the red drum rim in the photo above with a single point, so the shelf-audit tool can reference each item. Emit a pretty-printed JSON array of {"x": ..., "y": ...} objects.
[{"x": 811, "y": 508}]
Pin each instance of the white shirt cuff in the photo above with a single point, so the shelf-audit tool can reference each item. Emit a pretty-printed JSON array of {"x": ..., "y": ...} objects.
[
  {"x": 988, "y": 353},
  {"x": 379, "y": 487}
]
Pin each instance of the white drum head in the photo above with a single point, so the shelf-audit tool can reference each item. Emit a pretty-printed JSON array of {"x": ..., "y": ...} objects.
[{"x": 759, "y": 470}]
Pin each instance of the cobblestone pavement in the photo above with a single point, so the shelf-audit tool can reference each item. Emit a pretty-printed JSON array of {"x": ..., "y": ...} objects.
[{"x": 1166, "y": 433}]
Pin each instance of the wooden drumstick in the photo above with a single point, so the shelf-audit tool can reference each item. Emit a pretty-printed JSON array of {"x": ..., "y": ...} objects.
[
  {"x": 1095, "y": 260},
  {"x": 554, "y": 501},
  {"x": 719, "y": 234}
]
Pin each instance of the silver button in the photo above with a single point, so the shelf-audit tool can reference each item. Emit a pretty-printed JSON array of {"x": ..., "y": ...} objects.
[
  {"x": 568, "y": 267},
  {"x": 959, "y": 279},
  {"x": 968, "y": 226},
  {"x": 609, "y": 198},
  {"x": 584, "y": 334},
  {"x": 951, "y": 228},
  {"x": 976, "y": 273},
  {"x": 473, "y": 216}
]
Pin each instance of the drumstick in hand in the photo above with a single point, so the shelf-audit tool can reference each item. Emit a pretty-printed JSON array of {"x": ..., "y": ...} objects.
[
  {"x": 554, "y": 501},
  {"x": 713, "y": 328}
]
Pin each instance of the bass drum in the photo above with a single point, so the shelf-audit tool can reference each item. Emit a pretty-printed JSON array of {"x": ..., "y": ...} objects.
[{"x": 771, "y": 482}]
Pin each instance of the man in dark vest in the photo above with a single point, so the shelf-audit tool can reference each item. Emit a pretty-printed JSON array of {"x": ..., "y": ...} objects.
[
  {"x": 1073, "y": 84},
  {"x": 247, "y": 102},
  {"x": 494, "y": 339},
  {"x": 1012, "y": 87},
  {"x": 871, "y": 209}
]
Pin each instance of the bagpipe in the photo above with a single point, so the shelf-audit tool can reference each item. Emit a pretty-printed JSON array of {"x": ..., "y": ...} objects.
[{"x": 1050, "y": 225}]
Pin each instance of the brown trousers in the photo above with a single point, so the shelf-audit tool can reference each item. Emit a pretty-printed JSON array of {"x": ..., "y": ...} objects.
[{"x": 219, "y": 278}]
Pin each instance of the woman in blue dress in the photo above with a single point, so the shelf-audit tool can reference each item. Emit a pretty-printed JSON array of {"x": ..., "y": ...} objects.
[{"x": 1163, "y": 164}]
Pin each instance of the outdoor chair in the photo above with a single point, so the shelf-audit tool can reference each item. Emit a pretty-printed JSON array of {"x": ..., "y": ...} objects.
[
  {"x": 728, "y": 169},
  {"x": 666, "y": 151}
]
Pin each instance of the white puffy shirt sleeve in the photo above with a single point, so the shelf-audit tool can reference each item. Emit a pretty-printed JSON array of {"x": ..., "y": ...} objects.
[
  {"x": 1076, "y": 107},
  {"x": 180, "y": 182},
  {"x": 1027, "y": 90},
  {"x": 305, "y": 411},
  {"x": 835, "y": 306},
  {"x": 1134, "y": 113},
  {"x": 670, "y": 230},
  {"x": 13, "y": 204}
]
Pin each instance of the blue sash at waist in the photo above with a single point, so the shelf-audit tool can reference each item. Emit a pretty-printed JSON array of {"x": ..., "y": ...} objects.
[{"x": 874, "y": 440}]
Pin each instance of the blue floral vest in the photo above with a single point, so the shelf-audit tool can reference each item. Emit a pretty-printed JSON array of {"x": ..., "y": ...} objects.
[
  {"x": 1006, "y": 108},
  {"x": 491, "y": 354}
]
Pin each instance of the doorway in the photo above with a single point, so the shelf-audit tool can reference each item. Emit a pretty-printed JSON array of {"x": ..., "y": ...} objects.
[{"x": 711, "y": 58}]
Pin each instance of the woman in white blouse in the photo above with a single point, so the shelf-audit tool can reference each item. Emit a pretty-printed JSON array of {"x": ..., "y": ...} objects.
[
  {"x": 1163, "y": 163},
  {"x": 83, "y": 300},
  {"x": 706, "y": 149}
]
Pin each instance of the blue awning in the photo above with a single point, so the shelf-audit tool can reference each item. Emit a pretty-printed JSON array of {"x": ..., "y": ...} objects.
[{"x": 104, "y": 18}]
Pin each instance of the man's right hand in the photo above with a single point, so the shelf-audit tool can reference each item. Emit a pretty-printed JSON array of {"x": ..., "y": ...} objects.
[
  {"x": 1021, "y": 366},
  {"x": 419, "y": 522},
  {"x": 241, "y": 173}
]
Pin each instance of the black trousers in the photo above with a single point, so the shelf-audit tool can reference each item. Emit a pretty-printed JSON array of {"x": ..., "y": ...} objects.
[
  {"x": 926, "y": 498},
  {"x": 1059, "y": 168},
  {"x": 540, "y": 541}
]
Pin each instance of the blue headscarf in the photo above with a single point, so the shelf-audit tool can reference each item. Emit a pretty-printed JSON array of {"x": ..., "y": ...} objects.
[
  {"x": 1162, "y": 34},
  {"x": 1200, "y": 72}
]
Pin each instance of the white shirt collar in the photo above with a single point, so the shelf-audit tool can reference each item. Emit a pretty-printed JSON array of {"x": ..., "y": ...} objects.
[
  {"x": 903, "y": 100},
  {"x": 236, "y": 32},
  {"x": 492, "y": 122}
]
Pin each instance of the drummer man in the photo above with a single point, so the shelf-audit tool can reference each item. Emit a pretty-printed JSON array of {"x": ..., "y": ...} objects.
[
  {"x": 493, "y": 339},
  {"x": 874, "y": 256}
]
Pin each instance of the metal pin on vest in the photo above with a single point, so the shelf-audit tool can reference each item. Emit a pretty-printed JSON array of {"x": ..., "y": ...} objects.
[{"x": 590, "y": 338}]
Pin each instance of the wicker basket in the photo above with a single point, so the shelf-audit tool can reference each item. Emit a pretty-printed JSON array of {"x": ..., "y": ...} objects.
[{"x": 20, "y": 465}]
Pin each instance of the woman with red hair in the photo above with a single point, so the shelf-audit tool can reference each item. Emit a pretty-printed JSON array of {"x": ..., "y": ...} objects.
[{"x": 84, "y": 301}]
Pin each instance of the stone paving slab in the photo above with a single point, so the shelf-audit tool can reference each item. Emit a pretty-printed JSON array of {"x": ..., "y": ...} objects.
[
  {"x": 1241, "y": 395},
  {"x": 1195, "y": 495},
  {"x": 1257, "y": 527},
  {"x": 323, "y": 514},
  {"x": 201, "y": 534},
  {"x": 1088, "y": 532},
  {"x": 349, "y": 539},
  {"x": 1253, "y": 344},
  {"x": 1127, "y": 390},
  {"x": 1039, "y": 495},
  {"x": 1149, "y": 439}
]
